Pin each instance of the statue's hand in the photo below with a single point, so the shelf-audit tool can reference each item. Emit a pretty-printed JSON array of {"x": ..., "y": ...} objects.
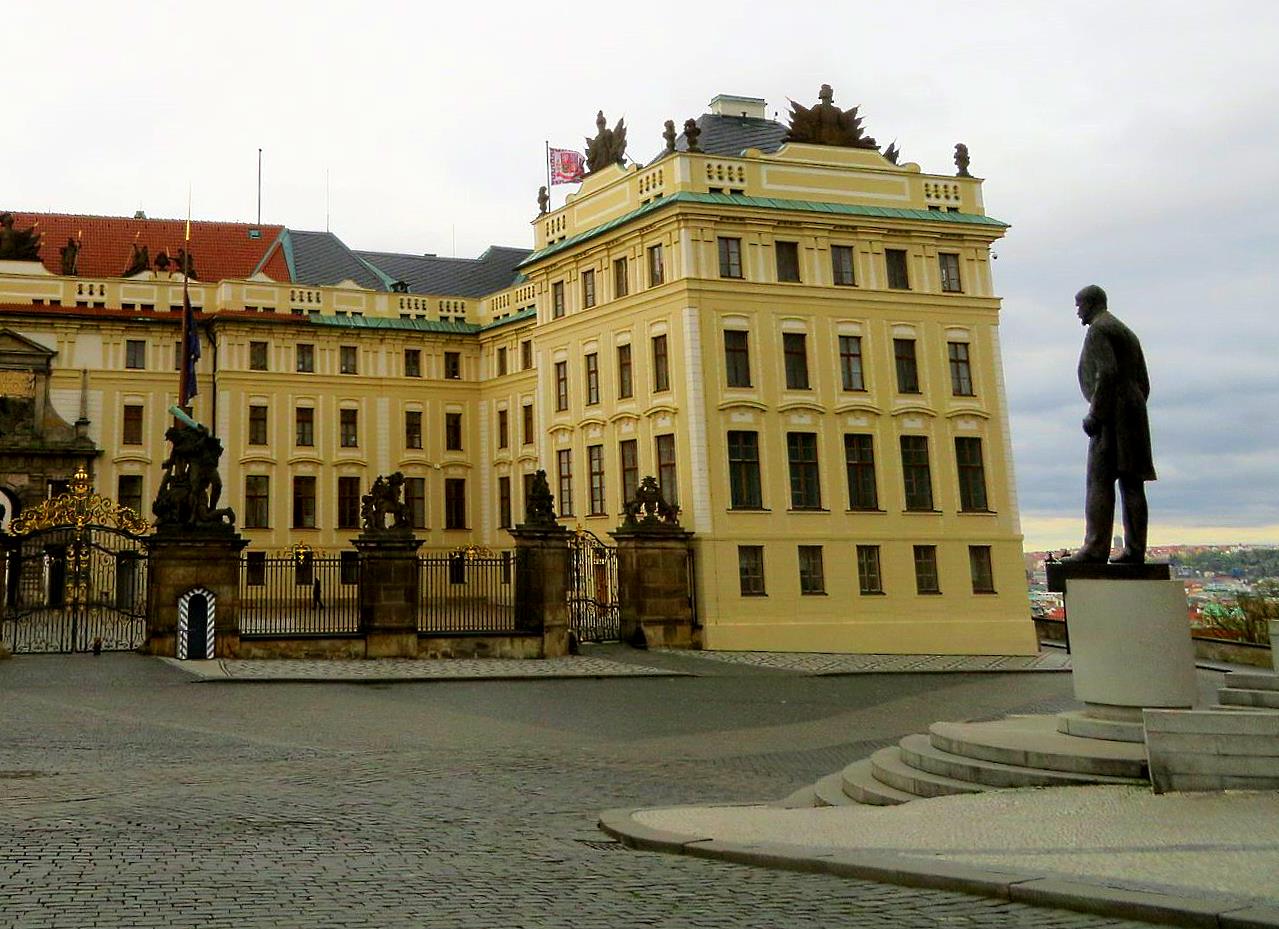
[{"x": 1092, "y": 425}]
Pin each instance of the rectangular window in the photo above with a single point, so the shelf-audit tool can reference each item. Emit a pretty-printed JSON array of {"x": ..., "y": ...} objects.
[
  {"x": 907, "y": 368},
  {"x": 850, "y": 362},
  {"x": 743, "y": 471},
  {"x": 730, "y": 257},
  {"x": 455, "y": 503},
  {"x": 257, "y": 424},
  {"x": 501, "y": 361},
  {"x": 561, "y": 385},
  {"x": 787, "y": 262},
  {"x": 128, "y": 491},
  {"x": 415, "y": 500},
  {"x": 526, "y": 426},
  {"x": 859, "y": 458},
  {"x": 564, "y": 461},
  {"x": 349, "y": 428},
  {"x": 982, "y": 570},
  {"x": 257, "y": 501},
  {"x": 666, "y": 478},
  {"x": 812, "y": 577},
  {"x": 557, "y": 299},
  {"x": 869, "y": 580},
  {"x": 131, "y": 434},
  {"x": 926, "y": 570},
  {"x": 916, "y": 474},
  {"x": 949, "y": 266},
  {"x": 795, "y": 353},
  {"x": 177, "y": 356},
  {"x": 595, "y": 470},
  {"x": 503, "y": 429},
  {"x": 412, "y": 428},
  {"x": 305, "y": 357},
  {"x": 628, "y": 453},
  {"x": 588, "y": 288},
  {"x": 737, "y": 358},
  {"x": 895, "y": 262},
  {"x": 526, "y": 355},
  {"x": 135, "y": 353},
  {"x": 656, "y": 269},
  {"x": 750, "y": 570},
  {"x": 348, "y": 503},
  {"x": 504, "y": 503},
  {"x": 453, "y": 366},
  {"x": 961, "y": 374},
  {"x": 805, "y": 488},
  {"x": 621, "y": 278},
  {"x": 592, "y": 379},
  {"x": 257, "y": 356},
  {"x": 661, "y": 371},
  {"x": 841, "y": 265},
  {"x": 412, "y": 362},
  {"x": 625, "y": 380},
  {"x": 972, "y": 474},
  {"x": 304, "y": 503},
  {"x": 304, "y": 427},
  {"x": 453, "y": 432},
  {"x": 348, "y": 360}
]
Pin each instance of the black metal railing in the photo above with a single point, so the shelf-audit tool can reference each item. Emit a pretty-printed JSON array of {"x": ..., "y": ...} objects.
[
  {"x": 290, "y": 595},
  {"x": 462, "y": 592}
]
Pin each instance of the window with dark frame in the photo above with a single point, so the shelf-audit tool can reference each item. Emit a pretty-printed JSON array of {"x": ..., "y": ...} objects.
[
  {"x": 851, "y": 375},
  {"x": 564, "y": 465},
  {"x": 561, "y": 386},
  {"x": 805, "y": 486},
  {"x": 305, "y": 357},
  {"x": 628, "y": 455},
  {"x": 557, "y": 299},
  {"x": 257, "y": 501},
  {"x": 453, "y": 432},
  {"x": 177, "y": 356},
  {"x": 730, "y": 257},
  {"x": 128, "y": 491},
  {"x": 745, "y": 492},
  {"x": 257, "y": 424},
  {"x": 666, "y": 477},
  {"x": 812, "y": 575},
  {"x": 348, "y": 503},
  {"x": 257, "y": 356},
  {"x": 982, "y": 570},
  {"x": 135, "y": 354},
  {"x": 349, "y": 428},
  {"x": 455, "y": 503},
  {"x": 595, "y": 473},
  {"x": 412, "y": 428},
  {"x": 131, "y": 431},
  {"x": 453, "y": 366},
  {"x": 926, "y": 580},
  {"x": 737, "y": 357},
  {"x": 750, "y": 570},
  {"x": 415, "y": 500},
  {"x": 898, "y": 269},
  {"x": 795, "y": 356},
  {"x": 304, "y": 427},
  {"x": 869, "y": 580},
  {"x": 621, "y": 278},
  {"x": 504, "y": 503},
  {"x": 916, "y": 474},
  {"x": 961, "y": 374},
  {"x": 348, "y": 360},
  {"x": 948, "y": 264},
  {"x": 501, "y": 361},
  {"x": 787, "y": 262},
  {"x": 303, "y": 502},
  {"x": 841, "y": 265},
  {"x": 972, "y": 475},
  {"x": 661, "y": 370},
  {"x": 412, "y": 362},
  {"x": 859, "y": 459},
  {"x": 656, "y": 267},
  {"x": 588, "y": 288},
  {"x": 526, "y": 424},
  {"x": 526, "y": 355},
  {"x": 592, "y": 379},
  {"x": 625, "y": 378},
  {"x": 503, "y": 429},
  {"x": 907, "y": 366}
]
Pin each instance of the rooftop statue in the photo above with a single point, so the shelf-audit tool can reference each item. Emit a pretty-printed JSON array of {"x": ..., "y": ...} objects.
[
  {"x": 18, "y": 244},
  {"x": 668, "y": 133},
  {"x": 191, "y": 486},
  {"x": 892, "y": 153},
  {"x": 543, "y": 200},
  {"x": 827, "y": 124},
  {"x": 70, "y": 257},
  {"x": 162, "y": 262},
  {"x": 1113, "y": 379},
  {"x": 186, "y": 263},
  {"x": 139, "y": 260},
  {"x": 961, "y": 160},
  {"x": 609, "y": 145},
  {"x": 691, "y": 133}
]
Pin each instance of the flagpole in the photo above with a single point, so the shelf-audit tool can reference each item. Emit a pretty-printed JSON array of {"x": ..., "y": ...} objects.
[
  {"x": 548, "y": 174},
  {"x": 187, "y": 316}
]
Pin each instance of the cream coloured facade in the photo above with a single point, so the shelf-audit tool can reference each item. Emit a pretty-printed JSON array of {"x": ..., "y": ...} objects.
[{"x": 801, "y": 343}]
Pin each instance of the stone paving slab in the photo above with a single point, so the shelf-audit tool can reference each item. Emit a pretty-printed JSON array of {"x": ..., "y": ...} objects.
[
  {"x": 812, "y": 663},
  {"x": 231, "y": 670}
]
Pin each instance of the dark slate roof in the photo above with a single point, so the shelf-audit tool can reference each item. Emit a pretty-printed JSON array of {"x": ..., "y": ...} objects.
[
  {"x": 462, "y": 277},
  {"x": 731, "y": 135},
  {"x": 321, "y": 258}
]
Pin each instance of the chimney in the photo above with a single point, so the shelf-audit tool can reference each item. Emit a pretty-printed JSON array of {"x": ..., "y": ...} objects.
[{"x": 730, "y": 105}]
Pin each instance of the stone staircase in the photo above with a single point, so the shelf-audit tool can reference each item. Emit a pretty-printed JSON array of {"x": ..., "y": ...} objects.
[{"x": 1249, "y": 690}]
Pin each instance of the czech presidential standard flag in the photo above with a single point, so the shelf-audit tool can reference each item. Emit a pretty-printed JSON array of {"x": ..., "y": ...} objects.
[
  {"x": 190, "y": 351},
  {"x": 566, "y": 166}
]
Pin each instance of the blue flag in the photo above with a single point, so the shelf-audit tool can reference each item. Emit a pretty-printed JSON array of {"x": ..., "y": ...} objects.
[{"x": 190, "y": 351}]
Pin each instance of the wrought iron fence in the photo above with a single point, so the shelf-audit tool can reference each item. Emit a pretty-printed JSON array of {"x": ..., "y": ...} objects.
[
  {"x": 592, "y": 588},
  {"x": 470, "y": 590},
  {"x": 299, "y": 594}
]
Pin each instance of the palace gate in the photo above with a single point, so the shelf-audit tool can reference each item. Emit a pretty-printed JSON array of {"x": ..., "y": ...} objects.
[{"x": 592, "y": 588}]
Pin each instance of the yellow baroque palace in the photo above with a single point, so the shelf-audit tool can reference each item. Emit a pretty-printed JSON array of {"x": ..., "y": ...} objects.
[{"x": 800, "y": 341}]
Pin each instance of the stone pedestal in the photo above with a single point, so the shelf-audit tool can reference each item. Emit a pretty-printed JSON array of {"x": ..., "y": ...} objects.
[
  {"x": 541, "y": 585},
  {"x": 1130, "y": 645},
  {"x": 182, "y": 561},
  {"x": 389, "y": 591},
  {"x": 654, "y": 590}
]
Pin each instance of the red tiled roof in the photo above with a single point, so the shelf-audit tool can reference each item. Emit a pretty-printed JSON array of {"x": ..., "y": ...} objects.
[{"x": 220, "y": 250}]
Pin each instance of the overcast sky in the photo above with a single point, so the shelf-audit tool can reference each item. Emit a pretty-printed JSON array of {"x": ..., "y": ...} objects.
[{"x": 1129, "y": 144}]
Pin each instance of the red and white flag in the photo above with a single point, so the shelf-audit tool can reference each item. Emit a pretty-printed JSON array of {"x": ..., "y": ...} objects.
[{"x": 566, "y": 166}]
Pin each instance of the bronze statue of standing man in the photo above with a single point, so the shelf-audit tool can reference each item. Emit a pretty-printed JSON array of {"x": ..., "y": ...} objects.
[{"x": 1112, "y": 376}]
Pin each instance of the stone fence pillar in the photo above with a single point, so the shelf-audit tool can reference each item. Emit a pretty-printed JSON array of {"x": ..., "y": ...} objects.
[
  {"x": 389, "y": 591},
  {"x": 541, "y": 584},
  {"x": 654, "y": 590},
  {"x": 185, "y": 560}
]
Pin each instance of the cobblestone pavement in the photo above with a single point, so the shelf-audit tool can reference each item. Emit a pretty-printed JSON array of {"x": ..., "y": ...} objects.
[
  {"x": 131, "y": 798},
  {"x": 809, "y": 663},
  {"x": 401, "y": 669}
]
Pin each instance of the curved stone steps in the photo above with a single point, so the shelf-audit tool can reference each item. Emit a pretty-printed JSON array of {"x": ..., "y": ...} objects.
[
  {"x": 1079, "y": 723},
  {"x": 1034, "y": 742},
  {"x": 859, "y": 782},
  {"x": 888, "y": 767},
  {"x": 918, "y": 751},
  {"x": 829, "y": 791}
]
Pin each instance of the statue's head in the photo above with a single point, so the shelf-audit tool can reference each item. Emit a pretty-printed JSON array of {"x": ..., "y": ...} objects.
[
  {"x": 826, "y": 95},
  {"x": 1089, "y": 302},
  {"x": 600, "y": 122}
]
